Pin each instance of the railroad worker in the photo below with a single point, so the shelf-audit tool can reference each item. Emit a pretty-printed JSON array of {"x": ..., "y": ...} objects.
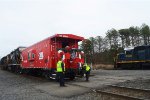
[
  {"x": 60, "y": 72},
  {"x": 87, "y": 71},
  {"x": 82, "y": 70}
]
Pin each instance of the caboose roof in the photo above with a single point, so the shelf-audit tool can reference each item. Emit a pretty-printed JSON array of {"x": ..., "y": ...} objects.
[
  {"x": 67, "y": 36},
  {"x": 71, "y": 36}
]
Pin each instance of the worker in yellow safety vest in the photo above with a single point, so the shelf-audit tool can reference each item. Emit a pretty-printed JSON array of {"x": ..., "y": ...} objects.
[
  {"x": 60, "y": 72},
  {"x": 87, "y": 71}
]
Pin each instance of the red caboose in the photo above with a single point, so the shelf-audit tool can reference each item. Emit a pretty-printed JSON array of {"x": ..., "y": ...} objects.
[{"x": 45, "y": 54}]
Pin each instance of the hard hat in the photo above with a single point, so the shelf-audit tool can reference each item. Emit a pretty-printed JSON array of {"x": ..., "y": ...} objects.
[{"x": 67, "y": 48}]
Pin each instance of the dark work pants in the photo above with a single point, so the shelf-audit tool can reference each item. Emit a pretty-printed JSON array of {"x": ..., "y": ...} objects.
[
  {"x": 87, "y": 75},
  {"x": 60, "y": 77}
]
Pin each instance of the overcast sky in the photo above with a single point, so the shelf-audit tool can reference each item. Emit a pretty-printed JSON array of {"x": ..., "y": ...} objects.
[{"x": 25, "y": 22}]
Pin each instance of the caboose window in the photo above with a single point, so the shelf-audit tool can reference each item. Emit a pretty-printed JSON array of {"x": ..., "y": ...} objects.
[
  {"x": 41, "y": 55},
  {"x": 29, "y": 56},
  {"x": 33, "y": 55}
]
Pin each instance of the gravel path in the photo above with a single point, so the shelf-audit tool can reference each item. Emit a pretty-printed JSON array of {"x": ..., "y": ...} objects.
[
  {"x": 23, "y": 87},
  {"x": 138, "y": 83}
]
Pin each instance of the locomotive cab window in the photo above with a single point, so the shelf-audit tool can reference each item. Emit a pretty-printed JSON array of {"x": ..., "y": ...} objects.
[{"x": 128, "y": 52}]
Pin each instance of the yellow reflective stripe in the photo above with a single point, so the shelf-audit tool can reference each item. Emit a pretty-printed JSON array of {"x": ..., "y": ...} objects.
[
  {"x": 64, "y": 67},
  {"x": 131, "y": 61}
]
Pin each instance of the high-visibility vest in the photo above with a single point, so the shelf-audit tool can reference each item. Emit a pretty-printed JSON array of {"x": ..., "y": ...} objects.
[
  {"x": 59, "y": 67},
  {"x": 87, "y": 68}
]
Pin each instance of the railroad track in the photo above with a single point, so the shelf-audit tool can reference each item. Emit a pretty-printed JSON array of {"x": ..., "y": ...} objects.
[{"x": 125, "y": 93}]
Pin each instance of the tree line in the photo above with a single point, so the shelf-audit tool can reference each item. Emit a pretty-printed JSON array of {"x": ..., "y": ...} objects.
[{"x": 103, "y": 49}]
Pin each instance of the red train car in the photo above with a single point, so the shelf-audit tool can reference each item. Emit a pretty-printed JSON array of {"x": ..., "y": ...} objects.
[{"x": 45, "y": 54}]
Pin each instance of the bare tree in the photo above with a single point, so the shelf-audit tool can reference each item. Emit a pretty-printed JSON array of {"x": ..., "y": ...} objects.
[
  {"x": 125, "y": 37},
  {"x": 99, "y": 43},
  {"x": 145, "y": 32}
]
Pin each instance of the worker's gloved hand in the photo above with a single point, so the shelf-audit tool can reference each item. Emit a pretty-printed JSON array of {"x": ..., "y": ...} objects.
[{"x": 84, "y": 75}]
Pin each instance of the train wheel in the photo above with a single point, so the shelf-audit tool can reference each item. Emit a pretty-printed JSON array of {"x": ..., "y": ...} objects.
[
  {"x": 72, "y": 77},
  {"x": 19, "y": 70},
  {"x": 47, "y": 75},
  {"x": 2, "y": 67}
]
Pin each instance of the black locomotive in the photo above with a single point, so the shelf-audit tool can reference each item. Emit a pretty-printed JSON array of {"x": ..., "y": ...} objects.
[{"x": 137, "y": 58}]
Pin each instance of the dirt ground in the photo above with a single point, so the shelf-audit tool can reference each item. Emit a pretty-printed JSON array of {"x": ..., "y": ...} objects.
[{"x": 102, "y": 66}]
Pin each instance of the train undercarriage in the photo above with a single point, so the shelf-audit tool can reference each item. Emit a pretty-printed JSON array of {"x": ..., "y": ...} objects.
[{"x": 47, "y": 73}]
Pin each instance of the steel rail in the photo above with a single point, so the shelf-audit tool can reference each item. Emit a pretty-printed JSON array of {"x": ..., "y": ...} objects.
[
  {"x": 118, "y": 95},
  {"x": 129, "y": 88}
]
